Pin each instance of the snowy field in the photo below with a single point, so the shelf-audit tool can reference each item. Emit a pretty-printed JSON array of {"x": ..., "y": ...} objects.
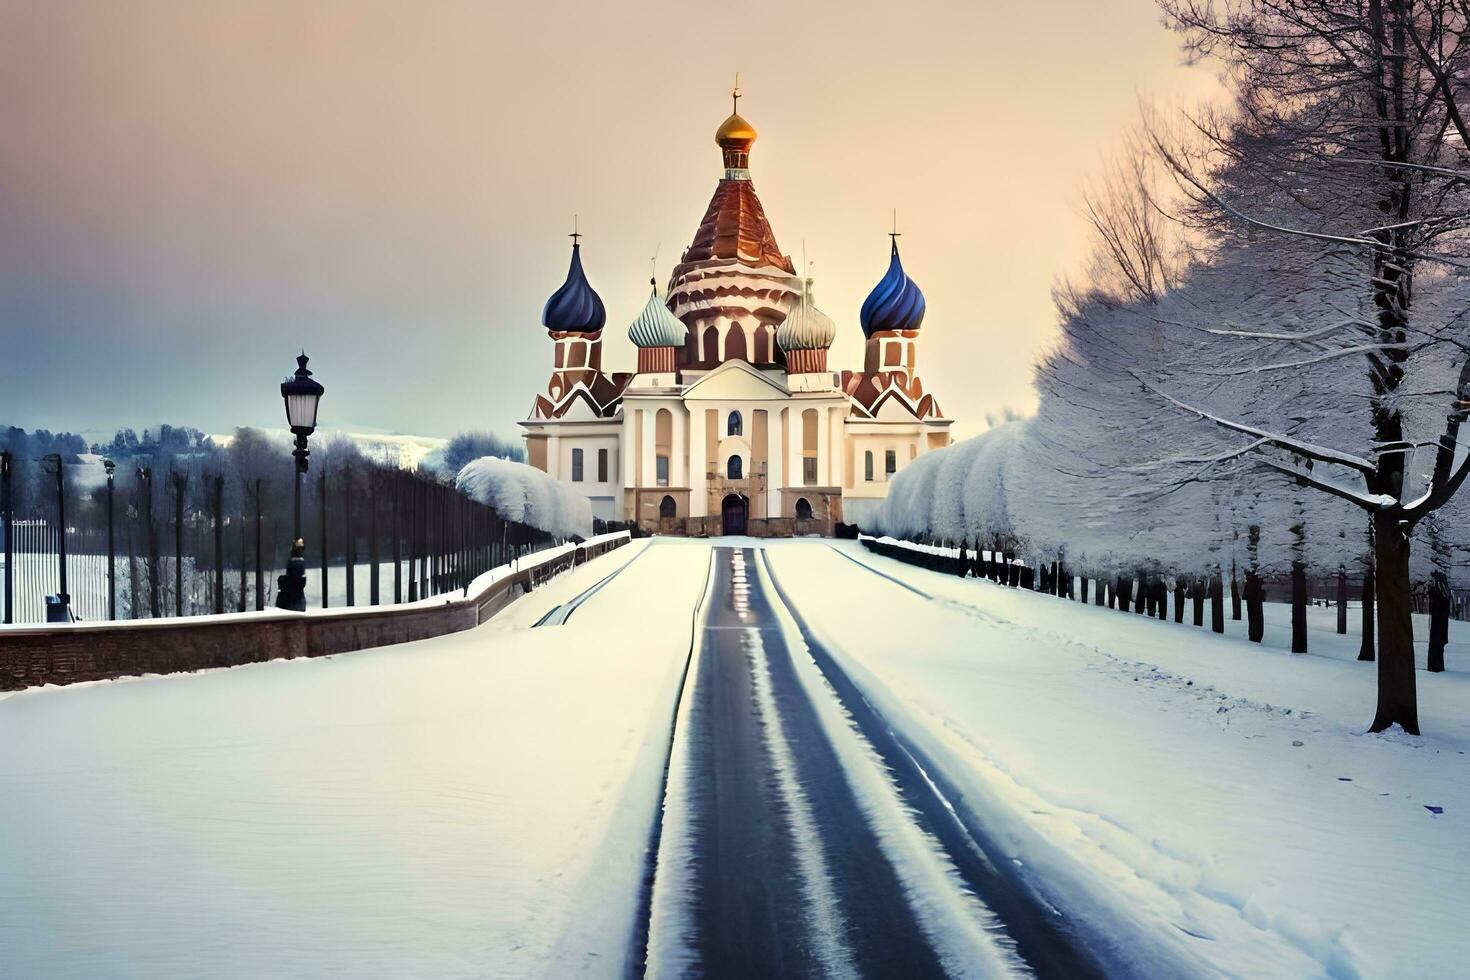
[
  {"x": 1199, "y": 793},
  {"x": 466, "y": 806},
  {"x": 481, "y": 804}
]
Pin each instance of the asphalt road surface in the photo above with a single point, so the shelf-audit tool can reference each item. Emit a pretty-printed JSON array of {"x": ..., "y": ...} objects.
[{"x": 778, "y": 858}]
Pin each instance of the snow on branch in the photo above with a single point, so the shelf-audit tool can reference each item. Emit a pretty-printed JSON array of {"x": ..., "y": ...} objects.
[{"x": 1310, "y": 450}]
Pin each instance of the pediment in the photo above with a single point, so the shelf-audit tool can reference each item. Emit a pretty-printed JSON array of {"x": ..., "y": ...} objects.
[{"x": 735, "y": 381}]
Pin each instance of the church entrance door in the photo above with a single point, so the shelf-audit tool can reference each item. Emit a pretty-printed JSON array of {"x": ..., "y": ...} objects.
[{"x": 733, "y": 512}]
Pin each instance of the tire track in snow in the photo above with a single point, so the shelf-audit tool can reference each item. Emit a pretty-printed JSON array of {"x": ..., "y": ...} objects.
[
  {"x": 662, "y": 943},
  {"x": 1013, "y": 919},
  {"x": 824, "y": 918}
]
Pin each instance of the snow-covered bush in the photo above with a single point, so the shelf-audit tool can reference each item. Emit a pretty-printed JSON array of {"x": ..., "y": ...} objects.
[{"x": 520, "y": 492}]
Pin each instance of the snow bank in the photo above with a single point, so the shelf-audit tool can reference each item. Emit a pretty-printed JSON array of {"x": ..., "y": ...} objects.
[
  {"x": 1211, "y": 804},
  {"x": 472, "y": 805},
  {"x": 520, "y": 492}
]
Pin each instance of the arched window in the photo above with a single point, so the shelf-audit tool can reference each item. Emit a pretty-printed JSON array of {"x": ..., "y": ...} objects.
[
  {"x": 711, "y": 350},
  {"x": 663, "y": 442},
  {"x": 735, "y": 343},
  {"x": 803, "y": 509},
  {"x": 666, "y": 507},
  {"x": 762, "y": 344},
  {"x": 868, "y": 466},
  {"x": 733, "y": 426},
  {"x": 734, "y": 468},
  {"x": 809, "y": 447}
]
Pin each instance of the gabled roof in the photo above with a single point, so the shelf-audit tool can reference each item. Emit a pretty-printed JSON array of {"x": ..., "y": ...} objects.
[{"x": 746, "y": 383}]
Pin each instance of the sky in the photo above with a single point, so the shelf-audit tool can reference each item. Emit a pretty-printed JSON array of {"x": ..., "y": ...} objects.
[{"x": 192, "y": 192}]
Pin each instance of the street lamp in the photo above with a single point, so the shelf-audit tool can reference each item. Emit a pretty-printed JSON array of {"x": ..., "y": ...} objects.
[
  {"x": 110, "y": 466},
  {"x": 301, "y": 394},
  {"x": 60, "y": 610}
]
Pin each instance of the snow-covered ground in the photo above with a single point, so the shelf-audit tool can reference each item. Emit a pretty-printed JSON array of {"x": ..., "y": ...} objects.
[
  {"x": 1208, "y": 799},
  {"x": 473, "y": 805}
]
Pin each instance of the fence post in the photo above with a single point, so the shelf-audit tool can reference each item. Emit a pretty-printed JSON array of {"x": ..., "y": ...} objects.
[
  {"x": 259, "y": 572},
  {"x": 219, "y": 543},
  {"x": 7, "y": 516},
  {"x": 244, "y": 562},
  {"x": 155, "y": 603},
  {"x": 397, "y": 537},
  {"x": 322, "y": 511},
  {"x": 348, "y": 542},
  {"x": 372, "y": 478},
  {"x": 180, "y": 482}
]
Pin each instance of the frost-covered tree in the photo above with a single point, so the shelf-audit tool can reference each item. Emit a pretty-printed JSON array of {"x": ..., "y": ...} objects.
[{"x": 1347, "y": 141}]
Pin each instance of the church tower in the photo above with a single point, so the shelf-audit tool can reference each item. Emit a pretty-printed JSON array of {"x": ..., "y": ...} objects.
[
  {"x": 733, "y": 287},
  {"x": 891, "y": 317}
]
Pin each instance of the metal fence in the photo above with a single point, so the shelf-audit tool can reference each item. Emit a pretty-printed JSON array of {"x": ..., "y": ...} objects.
[{"x": 189, "y": 541}]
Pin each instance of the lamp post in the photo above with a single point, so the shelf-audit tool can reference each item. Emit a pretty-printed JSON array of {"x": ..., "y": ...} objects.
[
  {"x": 301, "y": 394},
  {"x": 109, "y": 466},
  {"x": 60, "y": 611}
]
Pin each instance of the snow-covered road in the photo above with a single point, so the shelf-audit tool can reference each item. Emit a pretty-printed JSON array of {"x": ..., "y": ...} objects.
[{"x": 742, "y": 759}]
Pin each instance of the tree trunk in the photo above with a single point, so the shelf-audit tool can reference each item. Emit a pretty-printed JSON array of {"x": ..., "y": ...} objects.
[
  {"x": 1398, "y": 699},
  {"x": 1439, "y": 620},
  {"x": 1341, "y": 601},
  {"x": 1366, "y": 649},
  {"x": 1255, "y": 602},
  {"x": 1234, "y": 594},
  {"x": 1178, "y": 602},
  {"x": 1217, "y": 603},
  {"x": 1197, "y": 593},
  {"x": 1124, "y": 589},
  {"x": 1298, "y": 607},
  {"x": 1140, "y": 593},
  {"x": 1084, "y": 589}
]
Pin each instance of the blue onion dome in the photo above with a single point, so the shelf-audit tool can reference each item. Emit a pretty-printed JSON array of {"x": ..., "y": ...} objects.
[
  {"x": 575, "y": 307},
  {"x": 895, "y": 303},
  {"x": 656, "y": 326},
  {"x": 806, "y": 327}
]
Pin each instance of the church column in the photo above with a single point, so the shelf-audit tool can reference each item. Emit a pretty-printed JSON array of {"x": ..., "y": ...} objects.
[
  {"x": 650, "y": 448},
  {"x": 824, "y": 450},
  {"x": 777, "y": 456},
  {"x": 697, "y": 491},
  {"x": 679, "y": 448},
  {"x": 834, "y": 452},
  {"x": 626, "y": 475}
]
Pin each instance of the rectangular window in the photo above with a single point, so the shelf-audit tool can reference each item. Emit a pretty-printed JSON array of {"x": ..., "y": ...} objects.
[
  {"x": 661, "y": 470},
  {"x": 809, "y": 471},
  {"x": 868, "y": 466},
  {"x": 602, "y": 466},
  {"x": 890, "y": 462},
  {"x": 576, "y": 466}
]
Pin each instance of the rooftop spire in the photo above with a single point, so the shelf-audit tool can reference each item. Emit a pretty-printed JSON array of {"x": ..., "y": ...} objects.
[{"x": 734, "y": 138}]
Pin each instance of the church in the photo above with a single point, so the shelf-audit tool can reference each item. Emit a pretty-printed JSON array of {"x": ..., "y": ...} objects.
[{"x": 733, "y": 423}]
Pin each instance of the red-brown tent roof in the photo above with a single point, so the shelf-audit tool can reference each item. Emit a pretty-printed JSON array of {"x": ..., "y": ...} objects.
[{"x": 735, "y": 227}]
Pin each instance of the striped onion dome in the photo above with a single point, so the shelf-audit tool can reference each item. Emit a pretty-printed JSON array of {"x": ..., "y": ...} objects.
[
  {"x": 806, "y": 327},
  {"x": 656, "y": 326},
  {"x": 895, "y": 303},
  {"x": 575, "y": 307}
]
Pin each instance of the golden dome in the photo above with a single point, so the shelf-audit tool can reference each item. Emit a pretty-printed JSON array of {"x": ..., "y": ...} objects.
[{"x": 735, "y": 130}]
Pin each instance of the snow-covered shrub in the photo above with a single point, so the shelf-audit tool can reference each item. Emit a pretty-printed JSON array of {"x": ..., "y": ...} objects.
[{"x": 520, "y": 492}]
